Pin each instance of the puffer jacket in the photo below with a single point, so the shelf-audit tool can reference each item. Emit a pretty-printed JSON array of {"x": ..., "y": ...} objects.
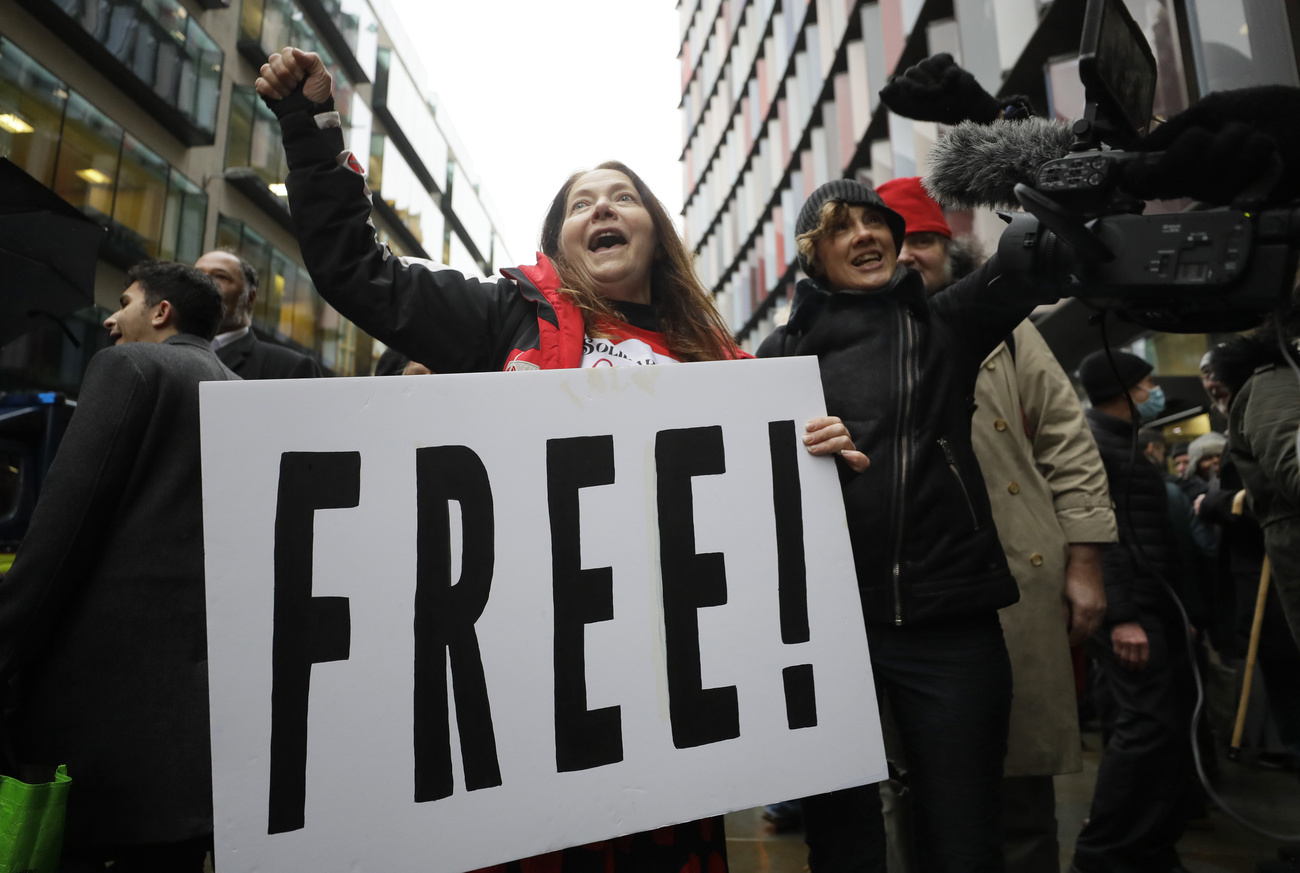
[
  {"x": 1141, "y": 507},
  {"x": 899, "y": 369}
]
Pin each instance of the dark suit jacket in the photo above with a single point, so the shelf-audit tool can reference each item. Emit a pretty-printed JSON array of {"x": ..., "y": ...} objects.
[
  {"x": 103, "y": 616},
  {"x": 250, "y": 358}
]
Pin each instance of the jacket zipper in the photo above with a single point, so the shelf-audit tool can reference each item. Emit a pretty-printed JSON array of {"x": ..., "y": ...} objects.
[
  {"x": 904, "y": 444},
  {"x": 956, "y": 471}
]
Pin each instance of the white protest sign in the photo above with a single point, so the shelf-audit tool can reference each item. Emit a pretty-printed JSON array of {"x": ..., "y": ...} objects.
[{"x": 458, "y": 620}]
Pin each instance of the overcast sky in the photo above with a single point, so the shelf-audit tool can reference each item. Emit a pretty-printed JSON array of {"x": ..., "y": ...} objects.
[{"x": 537, "y": 89}]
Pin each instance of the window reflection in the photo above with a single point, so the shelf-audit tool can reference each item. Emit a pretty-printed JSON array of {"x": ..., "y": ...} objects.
[
  {"x": 1237, "y": 44},
  {"x": 392, "y": 178},
  {"x": 141, "y": 199},
  {"x": 159, "y": 42},
  {"x": 184, "y": 219},
  {"x": 31, "y": 113},
  {"x": 149, "y": 208},
  {"x": 88, "y": 156},
  {"x": 398, "y": 95},
  {"x": 253, "y": 139}
]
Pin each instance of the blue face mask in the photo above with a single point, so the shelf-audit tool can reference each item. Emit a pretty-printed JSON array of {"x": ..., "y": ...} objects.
[{"x": 1151, "y": 408}]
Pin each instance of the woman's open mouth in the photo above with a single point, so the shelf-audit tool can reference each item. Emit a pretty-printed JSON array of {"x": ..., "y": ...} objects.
[{"x": 606, "y": 240}]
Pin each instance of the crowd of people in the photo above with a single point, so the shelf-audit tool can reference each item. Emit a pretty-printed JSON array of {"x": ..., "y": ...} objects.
[{"x": 1000, "y": 529}]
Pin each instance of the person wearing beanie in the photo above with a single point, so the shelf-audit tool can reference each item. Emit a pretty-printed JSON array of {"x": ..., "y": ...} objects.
[
  {"x": 1137, "y": 812},
  {"x": 1203, "y": 458},
  {"x": 899, "y": 367},
  {"x": 1052, "y": 527}
]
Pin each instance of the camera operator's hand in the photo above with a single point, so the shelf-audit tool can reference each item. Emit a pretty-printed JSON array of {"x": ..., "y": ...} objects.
[
  {"x": 1220, "y": 145},
  {"x": 1213, "y": 167},
  {"x": 937, "y": 89}
]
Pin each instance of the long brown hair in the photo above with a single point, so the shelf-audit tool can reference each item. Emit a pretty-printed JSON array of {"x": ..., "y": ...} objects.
[{"x": 687, "y": 317}]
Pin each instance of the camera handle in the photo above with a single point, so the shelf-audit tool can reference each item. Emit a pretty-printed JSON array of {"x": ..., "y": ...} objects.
[{"x": 1056, "y": 219}]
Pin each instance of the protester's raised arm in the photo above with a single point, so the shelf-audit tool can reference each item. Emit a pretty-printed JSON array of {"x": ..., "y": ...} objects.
[{"x": 445, "y": 320}]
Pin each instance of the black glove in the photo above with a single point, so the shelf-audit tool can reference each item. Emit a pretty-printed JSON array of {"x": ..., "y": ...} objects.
[
  {"x": 937, "y": 89},
  {"x": 1213, "y": 167},
  {"x": 1221, "y": 144}
]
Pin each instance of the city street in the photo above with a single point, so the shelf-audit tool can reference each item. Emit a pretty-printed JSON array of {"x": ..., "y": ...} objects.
[{"x": 1271, "y": 797}]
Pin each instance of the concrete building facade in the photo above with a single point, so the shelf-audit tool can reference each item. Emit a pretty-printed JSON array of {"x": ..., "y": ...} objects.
[{"x": 780, "y": 96}]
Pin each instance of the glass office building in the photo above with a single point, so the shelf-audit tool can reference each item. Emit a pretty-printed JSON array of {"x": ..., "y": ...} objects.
[
  {"x": 143, "y": 115},
  {"x": 780, "y": 96}
]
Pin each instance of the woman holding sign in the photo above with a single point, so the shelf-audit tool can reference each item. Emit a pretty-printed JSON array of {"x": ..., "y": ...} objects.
[{"x": 614, "y": 287}]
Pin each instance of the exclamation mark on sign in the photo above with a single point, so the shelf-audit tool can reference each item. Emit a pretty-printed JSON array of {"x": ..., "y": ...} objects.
[{"x": 792, "y": 571}]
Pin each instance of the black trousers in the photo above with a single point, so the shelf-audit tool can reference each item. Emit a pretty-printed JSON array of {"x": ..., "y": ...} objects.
[
  {"x": 1138, "y": 805},
  {"x": 949, "y": 685}
]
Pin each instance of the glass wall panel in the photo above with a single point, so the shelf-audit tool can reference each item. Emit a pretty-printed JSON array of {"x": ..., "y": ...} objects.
[
  {"x": 405, "y": 102},
  {"x": 95, "y": 165},
  {"x": 473, "y": 217},
  {"x": 184, "y": 220},
  {"x": 461, "y": 259},
  {"x": 162, "y": 45},
  {"x": 1065, "y": 97},
  {"x": 392, "y": 178},
  {"x": 88, "y": 159},
  {"x": 31, "y": 113},
  {"x": 141, "y": 201},
  {"x": 356, "y": 23},
  {"x": 254, "y": 139},
  {"x": 1237, "y": 44},
  {"x": 281, "y": 286},
  {"x": 306, "y": 302}
]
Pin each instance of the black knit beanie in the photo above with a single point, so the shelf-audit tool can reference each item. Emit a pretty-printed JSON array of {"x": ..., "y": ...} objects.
[
  {"x": 1098, "y": 379},
  {"x": 851, "y": 192}
]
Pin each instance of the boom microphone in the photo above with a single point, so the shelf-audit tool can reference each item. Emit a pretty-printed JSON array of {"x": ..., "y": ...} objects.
[{"x": 977, "y": 165}]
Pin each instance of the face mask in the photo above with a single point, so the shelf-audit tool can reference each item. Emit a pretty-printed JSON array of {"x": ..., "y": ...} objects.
[{"x": 1151, "y": 408}]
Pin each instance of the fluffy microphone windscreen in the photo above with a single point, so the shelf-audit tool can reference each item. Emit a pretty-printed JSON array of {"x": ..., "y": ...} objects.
[{"x": 979, "y": 164}]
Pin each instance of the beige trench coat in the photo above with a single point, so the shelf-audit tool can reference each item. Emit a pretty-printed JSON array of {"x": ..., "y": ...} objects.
[{"x": 1048, "y": 489}]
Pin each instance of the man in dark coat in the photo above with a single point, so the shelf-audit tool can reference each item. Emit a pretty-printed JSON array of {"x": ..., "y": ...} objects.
[
  {"x": 235, "y": 343},
  {"x": 1137, "y": 809},
  {"x": 103, "y": 616}
]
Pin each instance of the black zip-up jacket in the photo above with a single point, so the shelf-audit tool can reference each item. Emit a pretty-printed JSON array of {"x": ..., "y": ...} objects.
[
  {"x": 1141, "y": 508},
  {"x": 899, "y": 369}
]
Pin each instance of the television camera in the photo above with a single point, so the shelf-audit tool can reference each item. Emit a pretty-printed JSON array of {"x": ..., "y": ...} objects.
[{"x": 1219, "y": 269}]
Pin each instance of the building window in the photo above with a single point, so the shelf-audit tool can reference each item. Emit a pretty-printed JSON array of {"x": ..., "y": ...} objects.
[
  {"x": 407, "y": 200},
  {"x": 253, "y": 141},
  {"x": 86, "y": 172},
  {"x": 31, "y": 113},
  {"x": 155, "y": 45},
  {"x": 1237, "y": 44},
  {"x": 149, "y": 208}
]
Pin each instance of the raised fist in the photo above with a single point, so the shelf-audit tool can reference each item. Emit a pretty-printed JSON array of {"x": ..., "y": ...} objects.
[
  {"x": 937, "y": 89},
  {"x": 285, "y": 69}
]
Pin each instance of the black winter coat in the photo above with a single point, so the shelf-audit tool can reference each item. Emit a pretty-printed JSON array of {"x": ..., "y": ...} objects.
[
  {"x": 1137, "y": 488},
  {"x": 899, "y": 369}
]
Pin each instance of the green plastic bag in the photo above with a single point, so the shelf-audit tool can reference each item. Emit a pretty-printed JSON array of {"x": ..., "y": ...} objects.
[{"x": 31, "y": 823}]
